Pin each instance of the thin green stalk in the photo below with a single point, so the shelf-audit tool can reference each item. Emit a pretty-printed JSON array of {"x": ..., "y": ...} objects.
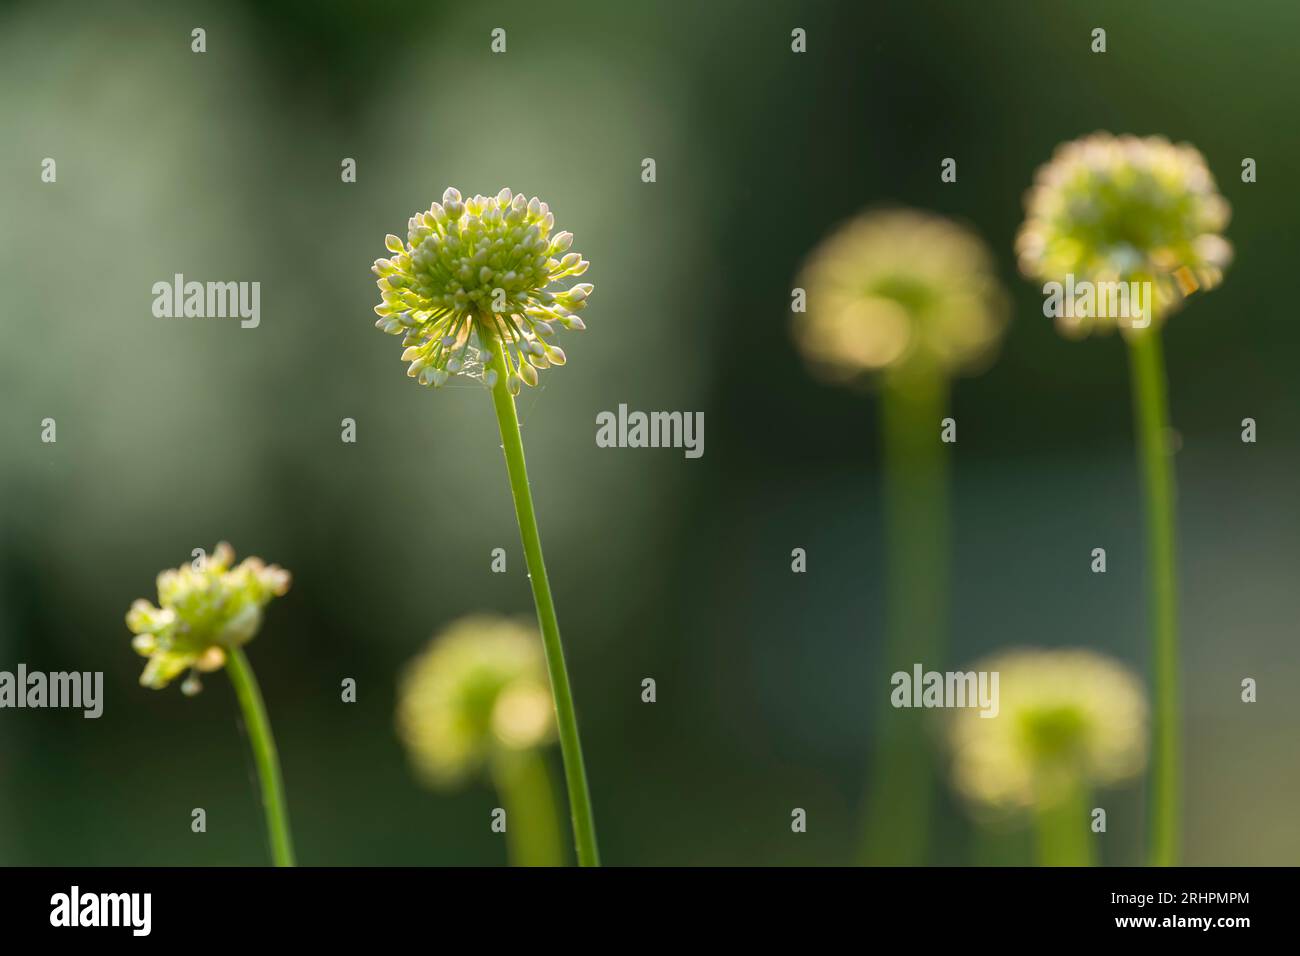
[
  {"x": 1151, "y": 417},
  {"x": 532, "y": 826},
  {"x": 998, "y": 844},
  {"x": 575, "y": 774},
  {"x": 264, "y": 754},
  {"x": 913, "y": 400},
  {"x": 1062, "y": 831}
]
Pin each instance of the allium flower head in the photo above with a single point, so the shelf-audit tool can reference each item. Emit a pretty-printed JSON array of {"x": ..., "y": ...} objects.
[
  {"x": 474, "y": 272},
  {"x": 1112, "y": 208},
  {"x": 480, "y": 685},
  {"x": 1066, "y": 718},
  {"x": 896, "y": 286},
  {"x": 206, "y": 607}
]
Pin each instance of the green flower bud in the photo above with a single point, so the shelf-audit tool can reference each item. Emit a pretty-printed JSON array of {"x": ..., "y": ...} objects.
[{"x": 528, "y": 374}]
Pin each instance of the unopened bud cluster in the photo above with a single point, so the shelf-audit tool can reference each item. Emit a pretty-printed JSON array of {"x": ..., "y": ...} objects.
[{"x": 474, "y": 273}]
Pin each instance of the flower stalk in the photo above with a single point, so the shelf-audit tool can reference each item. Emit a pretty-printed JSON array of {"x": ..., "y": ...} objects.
[
  {"x": 524, "y": 784},
  {"x": 1061, "y": 831},
  {"x": 913, "y": 400},
  {"x": 584, "y": 826},
  {"x": 1151, "y": 419},
  {"x": 265, "y": 755}
]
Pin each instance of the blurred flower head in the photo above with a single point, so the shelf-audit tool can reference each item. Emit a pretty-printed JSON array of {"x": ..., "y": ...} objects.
[
  {"x": 205, "y": 607},
  {"x": 1067, "y": 718},
  {"x": 475, "y": 272},
  {"x": 480, "y": 685},
  {"x": 897, "y": 286},
  {"x": 1112, "y": 208}
]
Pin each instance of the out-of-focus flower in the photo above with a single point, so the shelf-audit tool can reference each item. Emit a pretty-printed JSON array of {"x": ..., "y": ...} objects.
[
  {"x": 1066, "y": 718},
  {"x": 1112, "y": 208},
  {"x": 474, "y": 272},
  {"x": 206, "y": 607},
  {"x": 480, "y": 685},
  {"x": 895, "y": 286}
]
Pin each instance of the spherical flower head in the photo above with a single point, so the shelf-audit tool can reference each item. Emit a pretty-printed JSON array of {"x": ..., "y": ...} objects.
[
  {"x": 480, "y": 686},
  {"x": 894, "y": 287},
  {"x": 1112, "y": 208},
  {"x": 473, "y": 273},
  {"x": 206, "y": 607},
  {"x": 1066, "y": 718}
]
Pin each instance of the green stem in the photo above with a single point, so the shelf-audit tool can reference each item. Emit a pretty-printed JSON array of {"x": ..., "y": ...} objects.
[
  {"x": 584, "y": 824},
  {"x": 913, "y": 401},
  {"x": 1062, "y": 830},
  {"x": 1151, "y": 417},
  {"x": 532, "y": 827},
  {"x": 264, "y": 754}
]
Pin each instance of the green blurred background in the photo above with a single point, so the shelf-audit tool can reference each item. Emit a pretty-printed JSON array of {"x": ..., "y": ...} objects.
[{"x": 173, "y": 434}]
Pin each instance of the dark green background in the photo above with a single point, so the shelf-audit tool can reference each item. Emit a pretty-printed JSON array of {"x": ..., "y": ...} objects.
[{"x": 173, "y": 434}]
